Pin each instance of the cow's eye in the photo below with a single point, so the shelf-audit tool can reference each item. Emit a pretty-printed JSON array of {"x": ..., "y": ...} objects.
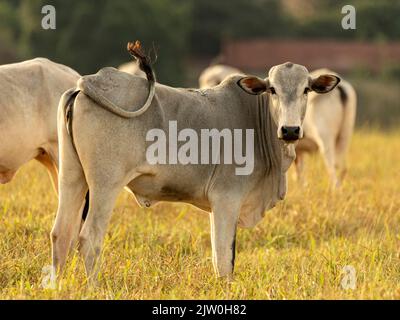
[
  {"x": 307, "y": 90},
  {"x": 272, "y": 90}
]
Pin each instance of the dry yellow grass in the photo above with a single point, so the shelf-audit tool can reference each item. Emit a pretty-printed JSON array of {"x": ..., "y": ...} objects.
[{"x": 297, "y": 252}]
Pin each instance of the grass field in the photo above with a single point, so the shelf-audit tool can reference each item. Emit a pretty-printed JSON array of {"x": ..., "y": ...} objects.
[{"x": 297, "y": 252}]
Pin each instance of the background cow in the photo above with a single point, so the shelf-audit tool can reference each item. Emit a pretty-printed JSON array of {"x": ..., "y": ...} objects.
[
  {"x": 215, "y": 74},
  {"x": 29, "y": 95},
  {"x": 105, "y": 151},
  {"x": 132, "y": 68},
  {"x": 328, "y": 127}
]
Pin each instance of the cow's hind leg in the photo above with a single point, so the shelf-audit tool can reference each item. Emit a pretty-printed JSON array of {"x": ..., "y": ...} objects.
[
  {"x": 223, "y": 219},
  {"x": 102, "y": 198},
  {"x": 73, "y": 188}
]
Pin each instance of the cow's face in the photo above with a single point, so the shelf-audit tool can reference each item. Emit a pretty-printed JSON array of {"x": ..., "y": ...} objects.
[{"x": 288, "y": 85}]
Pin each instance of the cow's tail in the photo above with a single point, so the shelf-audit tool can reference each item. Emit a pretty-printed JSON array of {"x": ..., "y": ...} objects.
[
  {"x": 66, "y": 136},
  {"x": 144, "y": 63},
  {"x": 348, "y": 99}
]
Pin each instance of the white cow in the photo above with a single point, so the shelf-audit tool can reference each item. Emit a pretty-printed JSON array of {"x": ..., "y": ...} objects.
[
  {"x": 104, "y": 129},
  {"x": 29, "y": 95},
  {"x": 215, "y": 74},
  {"x": 328, "y": 127}
]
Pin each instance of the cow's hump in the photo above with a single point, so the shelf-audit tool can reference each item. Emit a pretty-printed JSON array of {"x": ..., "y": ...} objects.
[{"x": 124, "y": 90}]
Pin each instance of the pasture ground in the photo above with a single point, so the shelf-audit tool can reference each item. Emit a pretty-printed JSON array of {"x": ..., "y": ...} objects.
[{"x": 297, "y": 252}]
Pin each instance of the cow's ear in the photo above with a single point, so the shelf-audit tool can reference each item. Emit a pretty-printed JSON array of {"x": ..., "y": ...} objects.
[
  {"x": 324, "y": 83},
  {"x": 253, "y": 85}
]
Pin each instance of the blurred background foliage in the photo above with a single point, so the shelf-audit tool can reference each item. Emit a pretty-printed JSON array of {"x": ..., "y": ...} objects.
[{"x": 91, "y": 34}]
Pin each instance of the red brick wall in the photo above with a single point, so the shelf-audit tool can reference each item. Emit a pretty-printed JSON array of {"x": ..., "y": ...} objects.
[{"x": 337, "y": 55}]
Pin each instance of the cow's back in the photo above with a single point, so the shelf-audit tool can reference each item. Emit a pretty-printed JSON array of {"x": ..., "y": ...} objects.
[
  {"x": 215, "y": 74},
  {"x": 34, "y": 87}
]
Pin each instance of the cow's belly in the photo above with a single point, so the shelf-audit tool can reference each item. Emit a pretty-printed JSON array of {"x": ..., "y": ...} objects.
[
  {"x": 8, "y": 168},
  {"x": 6, "y": 175},
  {"x": 12, "y": 158},
  {"x": 18, "y": 145},
  {"x": 151, "y": 188}
]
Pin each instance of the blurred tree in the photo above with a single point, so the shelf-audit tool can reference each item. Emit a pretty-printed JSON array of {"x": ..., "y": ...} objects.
[
  {"x": 213, "y": 21},
  {"x": 300, "y": 9},
  {"x": 9, "y": 28},
  {"x": 376, "y": 20},
  {"x": 91, "y": 34}
]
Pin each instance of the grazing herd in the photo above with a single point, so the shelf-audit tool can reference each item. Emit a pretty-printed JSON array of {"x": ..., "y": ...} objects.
[{"x": 97, "y": 142}]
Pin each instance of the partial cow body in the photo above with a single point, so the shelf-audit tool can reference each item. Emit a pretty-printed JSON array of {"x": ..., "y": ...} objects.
[
  {"x": 29, "y": 96},
  {"x": 132, "y": 68},
  {"x": 214, "y": 75},
  {"x": 328, "y": 127}
]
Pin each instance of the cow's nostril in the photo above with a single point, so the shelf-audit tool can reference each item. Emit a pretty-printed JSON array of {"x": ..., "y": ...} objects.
[{"x": 290, "y": 133}]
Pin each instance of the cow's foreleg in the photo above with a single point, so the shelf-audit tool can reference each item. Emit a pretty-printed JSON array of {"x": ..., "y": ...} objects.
[
  {"x": 101, "y": 203},
  {"x": 328, "y": 153},
  {"x": 340, "y": 161},
  {"x": 299, "y": 163},
  {"x": 223, "y": 220}
]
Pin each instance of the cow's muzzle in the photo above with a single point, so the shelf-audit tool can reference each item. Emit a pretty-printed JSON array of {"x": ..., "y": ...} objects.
[{"x": 290, "y": 134}]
